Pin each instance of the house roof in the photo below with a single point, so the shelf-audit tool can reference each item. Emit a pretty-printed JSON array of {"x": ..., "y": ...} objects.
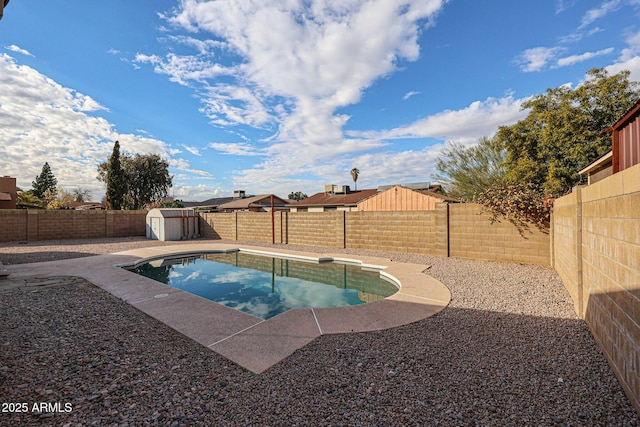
[
  {"x": 263, "y": 200},
  {"x": 598, "y": 163},
  {"x": 209, "y": 203},
  {"x": 331, "y": 199}
]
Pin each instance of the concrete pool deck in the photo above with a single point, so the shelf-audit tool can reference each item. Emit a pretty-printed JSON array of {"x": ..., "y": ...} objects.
[{"x": 252, "y": 342}]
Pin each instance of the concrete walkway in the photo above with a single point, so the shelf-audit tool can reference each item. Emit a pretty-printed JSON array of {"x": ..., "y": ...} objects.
[{"x": 249, "y": 341}]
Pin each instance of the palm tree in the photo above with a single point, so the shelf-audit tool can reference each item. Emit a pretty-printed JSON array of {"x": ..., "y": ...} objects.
[{"x": 354, "y": 174}]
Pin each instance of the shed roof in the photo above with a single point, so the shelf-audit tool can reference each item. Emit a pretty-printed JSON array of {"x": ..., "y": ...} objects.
[{"x": 170, "y": 212}]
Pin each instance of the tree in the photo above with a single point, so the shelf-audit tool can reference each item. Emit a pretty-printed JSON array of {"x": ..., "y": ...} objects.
[
  {"x": 80, "y": 194},
  {"x": 27, "y": 200},
  {"x": 297, "y": 196},
  {"x": 45, "y": 181},
  {"x": 61, "y": 199},
  {"x": 469, "y": 171},
  {"x": 355, "y": 172},
  {"x": 563, "y": 131},
  {"x": 116, "y": 180},
  {"x": 147, "y": 179}
]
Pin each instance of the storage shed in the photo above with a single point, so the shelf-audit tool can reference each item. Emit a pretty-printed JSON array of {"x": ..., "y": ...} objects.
[
  {"x": 400, "y": 198},
  {"x": 172, "y": 224}
]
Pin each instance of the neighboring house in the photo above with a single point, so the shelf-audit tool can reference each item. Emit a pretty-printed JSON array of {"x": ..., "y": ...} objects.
[
  {"x": 626, "y": 140},
  {"x": 334, "y": 198},
  {"x": 625, "y": 152},
  {"x": 401, "y": 198},
  {"x": 209, "y": 204},
  {"x": 599, "y": 169},
  {"x": 8, "y": 193},
  {"x": 87, "y": 206},
  {"x": 261, "y": 203}
]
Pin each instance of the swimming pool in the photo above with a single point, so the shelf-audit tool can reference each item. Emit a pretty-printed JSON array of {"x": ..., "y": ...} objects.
[{"x": 266, "y": 286}]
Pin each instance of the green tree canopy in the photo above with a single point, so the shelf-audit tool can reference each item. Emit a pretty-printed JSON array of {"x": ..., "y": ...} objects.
[
  {"x": 116, "y": 180},
  {"x": 147, "y": 179},
  {"x": 298, "y": 195},
  {"x": 466, "y": 172},
  {"x": 45, "y": 181},
  {"x": 563, "y": 131}
]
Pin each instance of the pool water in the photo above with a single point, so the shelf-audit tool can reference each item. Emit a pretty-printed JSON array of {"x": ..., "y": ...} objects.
[{"x": 264, "y": 286}]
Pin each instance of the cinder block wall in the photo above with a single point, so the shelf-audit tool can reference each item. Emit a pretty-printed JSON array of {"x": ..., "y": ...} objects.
[
  {"x": 255, "y": 226},
  {"x": 218, "y": 226},
  {"x": 603, "y": 271},
  {"x": 125, "y": 223},
  {"x": 566, "y": 232},
  {"x": 34, "y": 225},
  {"x": 455, "y": 230},
  {"x": 13, "y": 225},
  {"x": 472, "y": 236},
  {"x": 324, "y": 229},
  {"x": 406, "y": 231}
]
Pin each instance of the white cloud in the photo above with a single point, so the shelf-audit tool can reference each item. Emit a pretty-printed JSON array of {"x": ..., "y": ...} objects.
[
  {"x": 480, "y": 118},
  {"x": 629, "y": 58},
  {"x": 576, "y": 59},
  {"x": 294, "y": 169},
  {"x": 236, "y": 149},
  {"x": 604, "y": 9},
  {"x": 183, "y": 69},
  {"x": 17, "y": 49},
  {"x": 322, "y": 57},
  {"x": 40, "y": 120},
  {"x": 633, "y": 47},
  {"x": 410, "y": 94},
  {"x": 192, "y": 150},
  {"x": 537, "y": 58},
  {"x": 184, "y": 166}
]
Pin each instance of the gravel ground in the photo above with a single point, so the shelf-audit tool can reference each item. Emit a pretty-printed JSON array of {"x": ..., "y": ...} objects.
[{"x": 508, "y": 351}]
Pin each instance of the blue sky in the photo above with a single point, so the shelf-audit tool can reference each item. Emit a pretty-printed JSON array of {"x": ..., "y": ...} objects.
[{"x": 277, "y": 96}]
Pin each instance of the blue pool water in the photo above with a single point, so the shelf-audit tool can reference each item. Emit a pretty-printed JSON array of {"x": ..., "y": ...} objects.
[{"x": 265, "y": 286}]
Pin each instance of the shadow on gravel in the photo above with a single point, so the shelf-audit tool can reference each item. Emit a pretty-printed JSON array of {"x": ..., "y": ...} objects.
[
  {"x": 29, "y": 257},
  {"x": 113, "y": 364}
]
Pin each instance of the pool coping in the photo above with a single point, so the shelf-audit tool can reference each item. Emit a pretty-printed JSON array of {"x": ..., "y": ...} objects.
[{"x": 252, "y": 342}]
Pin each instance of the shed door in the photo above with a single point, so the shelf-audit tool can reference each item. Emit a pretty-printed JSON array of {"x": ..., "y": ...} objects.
[{"x": 155, "y": 228}]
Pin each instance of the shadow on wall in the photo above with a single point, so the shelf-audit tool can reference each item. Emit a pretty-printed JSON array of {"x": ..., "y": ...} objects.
[{"x": 610, "y": 319}]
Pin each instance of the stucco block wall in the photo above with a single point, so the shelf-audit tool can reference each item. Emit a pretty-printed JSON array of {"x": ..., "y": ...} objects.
[
  {"x": 472, "y": 236},
  {"x": 34, "y": 225},
  {"x": 603, "y": 271},
  {"x": 408, "y": 231}
]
